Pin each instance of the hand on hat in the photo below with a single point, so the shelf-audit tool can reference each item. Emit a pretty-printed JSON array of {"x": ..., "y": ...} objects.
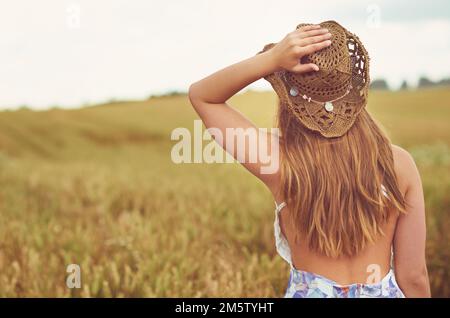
[{"x": 306, "y": 40}]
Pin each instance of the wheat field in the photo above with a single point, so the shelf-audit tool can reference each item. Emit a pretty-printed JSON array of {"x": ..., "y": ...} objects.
[{"x": 96, "y": 187}]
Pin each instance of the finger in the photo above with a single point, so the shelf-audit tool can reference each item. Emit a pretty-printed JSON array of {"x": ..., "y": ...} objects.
[
  {"x": 313, "y": 33},
  {"x": 309, "y": 27},
  {"x": 303, "y": 68},
  {"x": 315, "y": 47},
  {"x": 315, "y": 39},
  {"x": 300, "y": 33},
  {"x": 300, "y": 40}
]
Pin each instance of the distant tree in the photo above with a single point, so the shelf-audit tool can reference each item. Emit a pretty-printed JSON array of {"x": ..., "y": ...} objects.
[
  {"x": 171, "y": 93},
  {"x": 425, "y": 82},
  {"x": 404, "y": 85},
  {"x": 379, "y": 84},
  {"x": 24, "y": 108},
  {"x": 444, "y": 81},
  {"x": 175, "y": 93}
]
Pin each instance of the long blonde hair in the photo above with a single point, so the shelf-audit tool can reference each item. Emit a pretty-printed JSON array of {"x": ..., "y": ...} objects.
[{"x": 333, "y": 186}]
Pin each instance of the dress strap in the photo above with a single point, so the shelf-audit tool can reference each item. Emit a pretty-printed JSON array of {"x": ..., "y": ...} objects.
[{"x": 279, "y": 207}]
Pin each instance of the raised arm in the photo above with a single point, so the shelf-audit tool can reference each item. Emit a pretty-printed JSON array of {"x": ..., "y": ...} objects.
[
  {"x": 410, "y": 234},
  {"x": 209, "y": 95}
]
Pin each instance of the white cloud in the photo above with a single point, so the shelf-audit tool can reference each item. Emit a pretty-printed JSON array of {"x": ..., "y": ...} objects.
[
  {"x": 129, "y": 49},
  {"x": 408, "y": 50}
]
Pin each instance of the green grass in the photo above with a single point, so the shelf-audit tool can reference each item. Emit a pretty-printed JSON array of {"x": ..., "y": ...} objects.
[{"x": 96, "y": 187}]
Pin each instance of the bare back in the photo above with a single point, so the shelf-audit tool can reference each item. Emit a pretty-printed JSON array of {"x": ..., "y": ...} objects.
[{"x": 373, "y": 260}]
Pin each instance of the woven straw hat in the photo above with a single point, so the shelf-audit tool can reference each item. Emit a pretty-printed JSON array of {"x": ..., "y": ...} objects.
[{"x": 329, "y": 100}]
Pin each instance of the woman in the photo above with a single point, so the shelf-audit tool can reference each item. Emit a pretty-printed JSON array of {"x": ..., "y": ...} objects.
[{"x": 349, "y": 216}]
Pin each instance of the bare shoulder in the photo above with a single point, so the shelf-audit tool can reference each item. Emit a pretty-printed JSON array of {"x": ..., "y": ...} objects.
[
  {"x": 405, "y": 167},
  {"x": 401, "y": 155}
]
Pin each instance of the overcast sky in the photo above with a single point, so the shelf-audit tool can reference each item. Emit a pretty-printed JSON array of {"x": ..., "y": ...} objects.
[{"x": 70, "y": 53}]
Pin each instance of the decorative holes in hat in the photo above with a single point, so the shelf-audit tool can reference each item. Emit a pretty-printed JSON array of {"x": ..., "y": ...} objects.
[{"x": 328, "y": 100}]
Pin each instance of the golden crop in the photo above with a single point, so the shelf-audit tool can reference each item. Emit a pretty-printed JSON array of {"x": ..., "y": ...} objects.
[{"x": 96, "y": 187}]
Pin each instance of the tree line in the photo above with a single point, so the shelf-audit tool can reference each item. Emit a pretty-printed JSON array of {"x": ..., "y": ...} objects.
[{"x": 424, "y": 82}]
